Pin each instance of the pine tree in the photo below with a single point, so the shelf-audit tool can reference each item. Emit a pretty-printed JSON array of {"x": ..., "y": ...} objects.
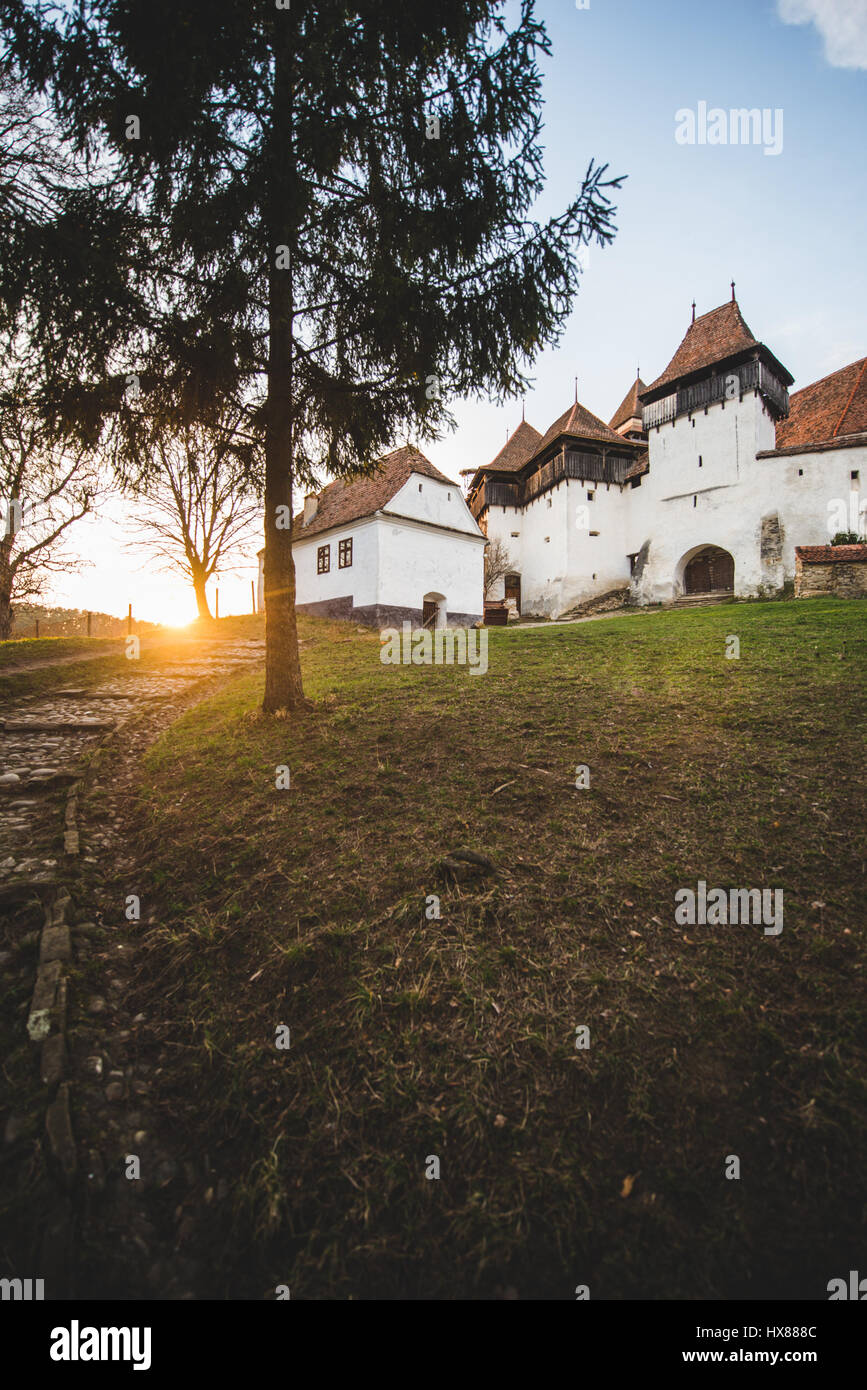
[{"x": 340, "y": 201}]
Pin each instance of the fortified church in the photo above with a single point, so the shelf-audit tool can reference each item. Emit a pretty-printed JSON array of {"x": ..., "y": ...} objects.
[{"x": 702, "y": 483}]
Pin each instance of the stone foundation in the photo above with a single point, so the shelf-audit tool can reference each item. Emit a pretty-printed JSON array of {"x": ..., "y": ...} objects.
[
  {"x": 379, "y": 615},
  {"x": 339, "y": 608}
]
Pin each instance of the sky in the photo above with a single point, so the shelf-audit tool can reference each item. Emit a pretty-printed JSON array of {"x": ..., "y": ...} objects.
[{"x": 788, "y": 227}]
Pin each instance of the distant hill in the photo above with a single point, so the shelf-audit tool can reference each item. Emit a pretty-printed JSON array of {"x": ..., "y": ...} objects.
[{"x": 70, "y": 622}]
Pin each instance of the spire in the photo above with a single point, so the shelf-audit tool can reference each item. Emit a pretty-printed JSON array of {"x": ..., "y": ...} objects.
[
  {"x": 733, "y": 291},
  {"x": 523, "y": 409},
  {"x": 693, "y": 311}
]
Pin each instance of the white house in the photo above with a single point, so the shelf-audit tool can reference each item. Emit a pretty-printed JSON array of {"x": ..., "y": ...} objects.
[
  {"x": 703, "y": 483},
  {"x": 399, "y": 544}
]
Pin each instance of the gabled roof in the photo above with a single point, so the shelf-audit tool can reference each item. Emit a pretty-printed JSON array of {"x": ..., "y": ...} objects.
[
  {"x": 638, "y": 466},
  {"x": 580, "y": 424},
  {"x": 520, "y": 447},
  {"x": 349, "y": 500},
  {"x": 630, "y": 406},
  {"x": 831, "y": 554},
  {"x": 827, "y": 410},
  {"x": 714, "y": 337}
]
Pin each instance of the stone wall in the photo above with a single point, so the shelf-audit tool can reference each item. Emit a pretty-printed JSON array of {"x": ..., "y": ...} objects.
[{"x": 829, "y": 576}]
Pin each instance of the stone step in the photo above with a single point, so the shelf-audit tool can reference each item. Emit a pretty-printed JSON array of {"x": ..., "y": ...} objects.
[
  {"x": 700, "y": 600},
  {"x": 96, "y": 694},
  {"x": 56, "y": 726}
]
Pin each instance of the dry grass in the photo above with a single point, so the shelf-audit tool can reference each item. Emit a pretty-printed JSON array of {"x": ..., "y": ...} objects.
[{"x": 455, "y": 1036}]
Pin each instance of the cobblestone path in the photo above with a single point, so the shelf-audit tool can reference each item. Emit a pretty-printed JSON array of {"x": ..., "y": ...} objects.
[{"x": 82, "y": 1072}]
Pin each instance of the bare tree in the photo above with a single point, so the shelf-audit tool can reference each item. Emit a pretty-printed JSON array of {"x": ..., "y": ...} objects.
[
  {"x": 46, "y": 485},
  {"x": 498, "y": 563},
  {"x": 202, "y": 503}
]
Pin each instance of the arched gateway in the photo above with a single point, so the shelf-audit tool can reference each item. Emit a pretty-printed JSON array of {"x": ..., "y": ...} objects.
[
  {"x": 433, "y": 610},
  {"x": 709, "y": 571}
]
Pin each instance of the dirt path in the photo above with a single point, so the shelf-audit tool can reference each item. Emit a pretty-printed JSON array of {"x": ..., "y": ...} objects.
[
  {"x": 75, "y": 660},
  {"x": 82, "y": 1068}
]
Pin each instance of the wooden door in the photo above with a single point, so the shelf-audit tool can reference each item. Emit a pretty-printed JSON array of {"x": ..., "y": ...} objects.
[
  {"x": 697, "y": 576},
  {"x": 429, "y": 609},
  {"x": 711, "y": 571},
  {"x": 722, "y": 571},
  {"x": 513, "y": 590}
]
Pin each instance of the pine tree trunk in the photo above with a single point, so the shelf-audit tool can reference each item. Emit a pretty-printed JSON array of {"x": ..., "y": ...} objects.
[{"x": 283, "y": 686}]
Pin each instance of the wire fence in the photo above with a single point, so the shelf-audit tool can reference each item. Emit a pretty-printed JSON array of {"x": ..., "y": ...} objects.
[{"x": 44, "y": 622}]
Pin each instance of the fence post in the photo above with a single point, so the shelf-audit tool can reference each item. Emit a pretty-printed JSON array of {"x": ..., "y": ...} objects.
[
  {"x": 129, "y": 620},
  {"x": 37, "y": 627},
  {"x": 88, "y": 624}
]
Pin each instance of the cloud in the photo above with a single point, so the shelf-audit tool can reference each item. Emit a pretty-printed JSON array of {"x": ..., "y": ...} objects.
[{"x": 842, "y": 24}]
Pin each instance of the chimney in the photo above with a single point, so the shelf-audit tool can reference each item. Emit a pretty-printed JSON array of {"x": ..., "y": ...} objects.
[{"x": 311, "y": 503}]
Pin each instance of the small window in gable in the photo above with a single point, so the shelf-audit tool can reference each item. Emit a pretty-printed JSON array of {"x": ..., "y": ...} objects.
[
  {"x": 591, "y": 496},
  {"x": 419, "y": 487}
]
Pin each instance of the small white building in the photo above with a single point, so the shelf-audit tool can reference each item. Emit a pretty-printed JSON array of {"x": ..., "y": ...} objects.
[
  {"x": 398, "y": 544},
  {"x": 703, "y": 483}
]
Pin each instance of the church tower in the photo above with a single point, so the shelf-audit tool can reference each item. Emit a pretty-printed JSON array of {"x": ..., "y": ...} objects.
[{"x": 707, "y": 416}]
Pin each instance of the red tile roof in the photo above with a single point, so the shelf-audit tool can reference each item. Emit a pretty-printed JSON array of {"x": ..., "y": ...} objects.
[
  {"x": 518, "y": 449},
  {"x": 713, "y": 337},
  {"x": 580, "y": 424},
  {"x": 630, "y": 406},
  {"x": 830, "y": 554},
  {"x": 348, "y": 500},
  {"x": 829, "y": 409}
]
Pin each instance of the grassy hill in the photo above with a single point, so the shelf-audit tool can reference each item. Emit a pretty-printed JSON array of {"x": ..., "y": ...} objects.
[{"x": 454, "y": 1036}]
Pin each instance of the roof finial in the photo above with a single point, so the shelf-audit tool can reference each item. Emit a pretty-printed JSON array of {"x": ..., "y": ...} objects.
[
  {"x": 523, "y": 409},
  {"x": 576, "y": 390},
  {"x": 638, "y": 372},
  {"x": 733, "y": 291},
  {"x": 693, "y": 311}
]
